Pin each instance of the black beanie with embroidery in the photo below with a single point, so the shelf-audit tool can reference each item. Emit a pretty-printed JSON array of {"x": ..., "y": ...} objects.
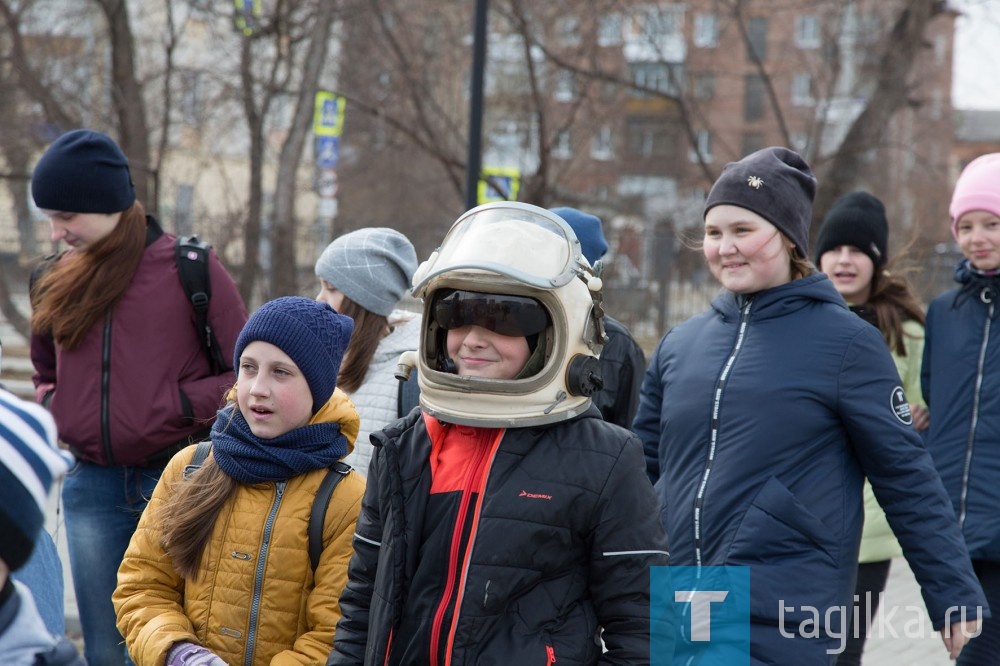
[{"x": 777, "y": 184}]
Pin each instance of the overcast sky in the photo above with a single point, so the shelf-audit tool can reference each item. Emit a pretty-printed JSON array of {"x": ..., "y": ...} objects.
[{"x": 976, "y": 80}]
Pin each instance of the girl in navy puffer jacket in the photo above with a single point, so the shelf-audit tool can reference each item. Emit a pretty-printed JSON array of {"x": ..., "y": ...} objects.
[{"x": 762, "y": 416}]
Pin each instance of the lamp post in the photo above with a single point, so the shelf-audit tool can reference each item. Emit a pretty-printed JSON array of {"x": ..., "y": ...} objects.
[{"x": 474, "y": 163}]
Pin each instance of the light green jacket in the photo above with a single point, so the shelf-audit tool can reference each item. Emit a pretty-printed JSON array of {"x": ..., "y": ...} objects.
[{"x": 877, "y": 541}]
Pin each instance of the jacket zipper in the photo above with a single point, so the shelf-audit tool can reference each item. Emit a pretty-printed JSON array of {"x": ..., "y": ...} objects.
[
  {"x": 986, "y": 296},
  {"x": 106, "y": 391},
  {"x": 474, "y": 473},
  {"x": 699, "y": 500},
  {"x": 550, "y": 655},
  {"x": 258, "y": 582}
]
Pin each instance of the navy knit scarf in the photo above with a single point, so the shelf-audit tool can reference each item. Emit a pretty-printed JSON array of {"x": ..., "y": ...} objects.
[{"x": 250, "y": 459}]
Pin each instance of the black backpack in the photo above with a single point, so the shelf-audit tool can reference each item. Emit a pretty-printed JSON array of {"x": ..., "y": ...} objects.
[
  {"x": 191, "y": 254},
  {"x": 317, "y": 515}
]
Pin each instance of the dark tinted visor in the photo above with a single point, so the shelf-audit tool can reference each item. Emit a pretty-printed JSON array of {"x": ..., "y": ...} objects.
[{"x": 513, "y": 316}]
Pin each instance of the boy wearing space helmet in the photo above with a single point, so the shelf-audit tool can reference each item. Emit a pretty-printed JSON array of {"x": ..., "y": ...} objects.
[{"x": 504, "y": 521}]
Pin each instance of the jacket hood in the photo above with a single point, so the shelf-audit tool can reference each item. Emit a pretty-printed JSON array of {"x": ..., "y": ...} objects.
[
  {"x": 340, "y": 409},
  {"x": 781, "y": 300},
  {"x": 405, "y": 336}
]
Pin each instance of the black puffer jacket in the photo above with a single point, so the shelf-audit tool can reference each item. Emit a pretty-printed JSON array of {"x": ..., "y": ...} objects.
[
  {"x": 563, "y": 539},
  {"x": 623, "y": 365}
]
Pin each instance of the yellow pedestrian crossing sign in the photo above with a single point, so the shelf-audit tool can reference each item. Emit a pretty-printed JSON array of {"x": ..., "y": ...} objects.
[
  {"x": 247, "y": 15},
  {"x": 328, "y": 114},
  {"x": 498, "y": 184}
]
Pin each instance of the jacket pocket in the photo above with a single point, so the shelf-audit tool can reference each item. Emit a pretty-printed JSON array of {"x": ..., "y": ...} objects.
[{"x": 790, "y": 554}]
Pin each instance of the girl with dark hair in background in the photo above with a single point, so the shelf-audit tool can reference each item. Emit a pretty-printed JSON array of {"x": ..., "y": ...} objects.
[
  {"x": 853, "y": 250},
  {"x": 364, "y": 274}
]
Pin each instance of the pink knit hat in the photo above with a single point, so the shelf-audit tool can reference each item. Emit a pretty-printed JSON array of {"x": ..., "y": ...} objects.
[{"x": 977, "y": 188}]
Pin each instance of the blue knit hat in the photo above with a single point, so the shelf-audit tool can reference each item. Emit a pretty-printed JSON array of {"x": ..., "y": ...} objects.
[
  {"x": 587, "y": 229},
  {"x": 372, "y": 267},
  {"x": 83, "y": 171},
  {"x": 30, "y": 462},
  {"x": 311, "y": 333}
]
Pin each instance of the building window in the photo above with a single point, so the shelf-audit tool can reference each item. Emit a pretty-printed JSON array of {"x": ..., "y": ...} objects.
[
  {"x": 568, "y": 30},
  {"x": 706, "y": 31},
  {"x": 704, "y": 87},
  {"x": 940, "y": 49},
  {"x": 753, "y": 100},
  {"x": 184, "y": 209},
  {"x": 609, "y": 30},
  {"x": 703, "y": 148},
  {"x": 807, "y": 34},
  {"x": 802, "y": 90},
  {"x": 565, "y": 86},
  {"x": 937, "y": 104},
  {"x": 562, "y": 148},
  {"x": 640, "y": 139},
  {"x": 654, "y": 22},
  {"x": 757, "y": 39},
  {"x": 800, "y": 142},
  {"x": 191, "y": 96},
  {"x": 601, "y": 147},
  {"x": 655, "y": 76},
  {"x": 752, "y": 142}
]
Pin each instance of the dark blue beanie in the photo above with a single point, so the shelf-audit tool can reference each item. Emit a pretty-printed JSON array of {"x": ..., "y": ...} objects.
[
  {"x": 311, "y": 333},
  {"x": 777, "y": 184},
  {"x": 588, "y": 230},
  {"x": 83, "y": 171}
]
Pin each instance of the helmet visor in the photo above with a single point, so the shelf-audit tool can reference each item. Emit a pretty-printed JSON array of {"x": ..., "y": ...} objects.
[
  {"x": 509, "y": 315},
  {"x": 520, "y": 241}
]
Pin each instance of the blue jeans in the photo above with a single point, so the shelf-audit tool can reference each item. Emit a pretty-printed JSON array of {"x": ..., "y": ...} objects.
[{"x": 102, "y": 507}]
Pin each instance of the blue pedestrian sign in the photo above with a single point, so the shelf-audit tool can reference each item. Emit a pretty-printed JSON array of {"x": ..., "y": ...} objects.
[{"x": 327, "y": 152}]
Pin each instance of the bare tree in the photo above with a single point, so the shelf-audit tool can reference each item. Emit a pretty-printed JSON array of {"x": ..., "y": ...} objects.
[
  {"x": 127, "y": 96},
  {"x": 283, "y": 265}
]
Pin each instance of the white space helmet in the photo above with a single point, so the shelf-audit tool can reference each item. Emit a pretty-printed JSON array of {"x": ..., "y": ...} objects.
[{"x": 515, "y": 269}]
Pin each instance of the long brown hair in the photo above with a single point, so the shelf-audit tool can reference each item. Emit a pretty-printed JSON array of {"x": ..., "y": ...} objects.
[
  {"x": 188, "y": 519},
  {"x": 79, "y": 289},
  {"x": 369, "y": 329},
  {"x": 894, "y": 303}
]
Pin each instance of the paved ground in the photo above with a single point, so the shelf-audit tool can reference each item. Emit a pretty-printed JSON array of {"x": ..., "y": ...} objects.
[{"x": 909, "y": 639}]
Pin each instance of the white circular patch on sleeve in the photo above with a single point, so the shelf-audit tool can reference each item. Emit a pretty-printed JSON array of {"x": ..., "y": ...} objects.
[{"x": 901, "y": 406}]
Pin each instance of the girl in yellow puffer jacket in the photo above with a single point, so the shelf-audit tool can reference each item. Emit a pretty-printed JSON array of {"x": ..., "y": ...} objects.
[{"x": 218, "y": 571}]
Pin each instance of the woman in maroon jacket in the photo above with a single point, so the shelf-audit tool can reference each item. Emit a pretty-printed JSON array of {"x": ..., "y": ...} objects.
[{"x": 117, "y": 358}]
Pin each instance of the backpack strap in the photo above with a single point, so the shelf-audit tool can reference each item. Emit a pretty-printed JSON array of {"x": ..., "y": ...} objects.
[
  {"x": 408, "y": 395},
  {"x": 317, "y": 516},
  {"x": 198, "y": 459},
  {"x": 191, "y": 254}
]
